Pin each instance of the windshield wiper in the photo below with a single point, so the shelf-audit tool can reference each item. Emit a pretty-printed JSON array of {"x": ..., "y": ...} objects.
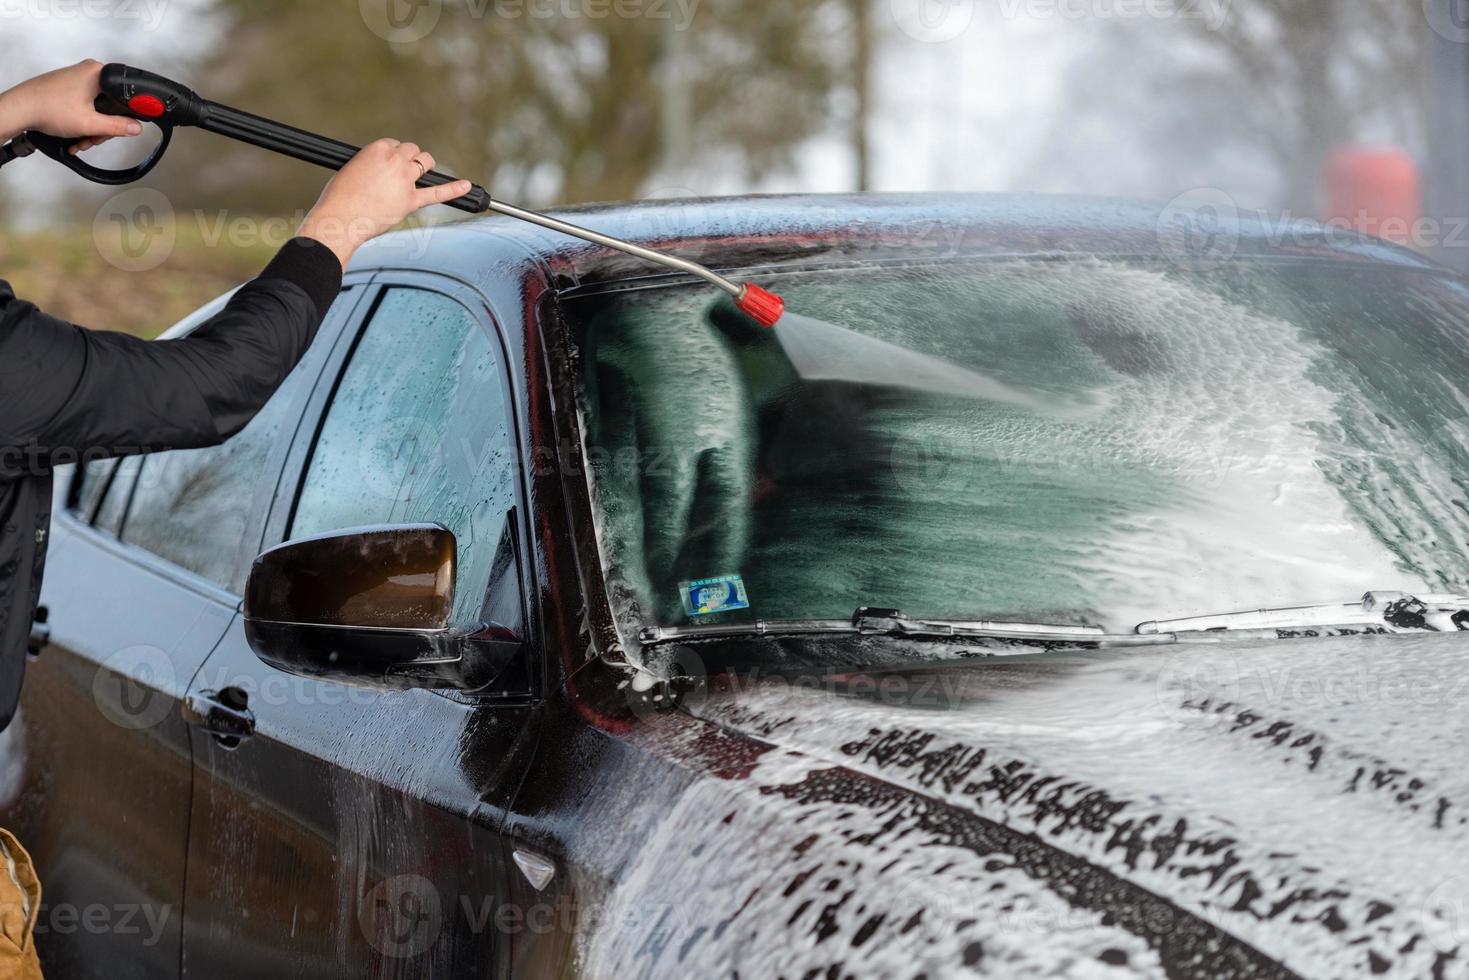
[
  {"x": 868, "y": 621},
  {"x": 1375, "y": 612}
]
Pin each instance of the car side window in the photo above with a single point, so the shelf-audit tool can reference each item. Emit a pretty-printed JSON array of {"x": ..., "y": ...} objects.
[
  {"x": 419, "y": 431},
  {"x": 103, "y": 487},
  {"x": 204, "y": 509}
]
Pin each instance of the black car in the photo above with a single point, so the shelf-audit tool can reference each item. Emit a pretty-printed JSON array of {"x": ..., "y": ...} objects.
[{"x": 552, "y": 621}]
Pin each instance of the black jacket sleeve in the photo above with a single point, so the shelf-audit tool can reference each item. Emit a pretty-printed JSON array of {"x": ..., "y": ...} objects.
[{"x": 69, "y": 393}]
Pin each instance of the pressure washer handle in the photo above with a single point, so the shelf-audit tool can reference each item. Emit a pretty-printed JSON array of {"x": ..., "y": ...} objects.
[
  {"x": 139, "y": 95},
  {"x": 142, "y": 95},
  {"x": 59, "y": 150},
  {"x": 147, "y": 97}
]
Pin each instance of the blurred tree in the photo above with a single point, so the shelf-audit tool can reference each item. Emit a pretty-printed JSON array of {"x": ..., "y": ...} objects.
[
  {"x": 1248, "y": 95},
  {"x": 862, "y": 66},
  {"x": 1319, "y": 73},
  {"x": 545, "y": 102}
]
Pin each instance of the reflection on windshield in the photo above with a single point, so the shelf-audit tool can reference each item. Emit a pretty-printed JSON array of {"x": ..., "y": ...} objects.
[{"x": 1263, "y": 434}]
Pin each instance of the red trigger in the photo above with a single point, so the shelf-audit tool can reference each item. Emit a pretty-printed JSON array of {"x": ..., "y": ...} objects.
[{"x": 147, "y": 105}]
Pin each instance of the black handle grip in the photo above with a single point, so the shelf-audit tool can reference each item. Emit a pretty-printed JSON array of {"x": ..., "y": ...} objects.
[
  {"x": 139, "y": 95},
  {"x": 477, "y": 201},
  {"x": 59, "y": 150},
  {"x": 142, "y": 95},
  {"x": 312, "y": 148},
  {"x": 148, "y": 97}
]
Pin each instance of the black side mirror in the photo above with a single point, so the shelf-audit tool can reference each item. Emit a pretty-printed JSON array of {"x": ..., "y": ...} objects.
[{"x": 371, "y": 607}]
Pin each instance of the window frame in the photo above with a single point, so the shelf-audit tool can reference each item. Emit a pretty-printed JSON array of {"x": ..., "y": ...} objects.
[{"x": 481, "y": 312}]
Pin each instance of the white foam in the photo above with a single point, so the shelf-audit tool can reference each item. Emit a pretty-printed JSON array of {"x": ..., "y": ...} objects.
[{"x": 1233, "y": 420}]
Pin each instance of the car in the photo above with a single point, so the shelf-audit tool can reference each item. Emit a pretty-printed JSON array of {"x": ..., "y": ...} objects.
[{"x": 551, "y": 620}]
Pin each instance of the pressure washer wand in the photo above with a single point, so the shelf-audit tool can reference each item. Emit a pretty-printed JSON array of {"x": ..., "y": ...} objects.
[
  {"x": 152, "y": 98},
  {"x": 766, "y": 307}
]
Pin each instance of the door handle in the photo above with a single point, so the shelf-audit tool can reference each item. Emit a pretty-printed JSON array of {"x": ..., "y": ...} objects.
[
  {"x": 224, "y": 714},
  {"x": 40, "y": 632}
]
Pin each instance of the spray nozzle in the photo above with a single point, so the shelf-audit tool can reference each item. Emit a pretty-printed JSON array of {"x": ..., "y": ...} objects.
[{"x": 766, "y": 307}]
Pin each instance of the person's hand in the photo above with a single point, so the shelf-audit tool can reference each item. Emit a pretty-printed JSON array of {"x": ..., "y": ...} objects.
[
  {"x": 372, "y": 193},
  {"x": 59, "y": 103}
]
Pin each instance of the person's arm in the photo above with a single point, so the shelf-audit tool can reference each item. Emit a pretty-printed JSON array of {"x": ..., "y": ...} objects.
[{"x": 67, "y": 392}]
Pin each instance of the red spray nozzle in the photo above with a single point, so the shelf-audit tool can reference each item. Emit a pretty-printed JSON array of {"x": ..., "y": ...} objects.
[{"x": 766, "y": 307}]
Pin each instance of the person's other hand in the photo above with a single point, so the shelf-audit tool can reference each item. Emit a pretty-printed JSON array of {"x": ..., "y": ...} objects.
[
  {"x": 372, "y": 193},
  {"x": 59, "y": 103}
]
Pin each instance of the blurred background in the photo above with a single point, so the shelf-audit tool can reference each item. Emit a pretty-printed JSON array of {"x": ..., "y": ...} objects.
[{"x": 1354, "y": 111}]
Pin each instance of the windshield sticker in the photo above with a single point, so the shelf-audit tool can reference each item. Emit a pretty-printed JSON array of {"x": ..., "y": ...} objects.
[{"x": 714, "y": 595}]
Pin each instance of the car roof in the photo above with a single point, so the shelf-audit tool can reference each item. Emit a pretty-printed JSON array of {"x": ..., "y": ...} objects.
[{"x": 765, "y": 230}]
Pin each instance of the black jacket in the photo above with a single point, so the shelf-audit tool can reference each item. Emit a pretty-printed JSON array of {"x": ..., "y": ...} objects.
[{"x": 72, "y": 395}]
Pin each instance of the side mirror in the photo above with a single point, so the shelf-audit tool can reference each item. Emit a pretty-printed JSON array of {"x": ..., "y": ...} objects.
[{"x": 371, "y": 607}]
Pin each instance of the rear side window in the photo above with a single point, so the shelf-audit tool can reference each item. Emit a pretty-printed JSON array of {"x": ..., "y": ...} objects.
[
  {"x": 203, "y": 509},
  {"x": 418, "y": 432}
]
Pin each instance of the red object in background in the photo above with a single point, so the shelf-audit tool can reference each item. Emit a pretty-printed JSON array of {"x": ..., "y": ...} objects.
[{"x": 1376, "y": 191}]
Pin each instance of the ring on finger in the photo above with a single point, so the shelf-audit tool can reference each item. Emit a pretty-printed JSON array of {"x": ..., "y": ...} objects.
[{"x": 422, "y": 170}]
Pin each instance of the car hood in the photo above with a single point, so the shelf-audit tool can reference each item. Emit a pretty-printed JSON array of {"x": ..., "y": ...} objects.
[{"x": 1266, "y": 808}]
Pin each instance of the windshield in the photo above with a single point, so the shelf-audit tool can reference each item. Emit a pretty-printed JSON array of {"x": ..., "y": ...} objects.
[{"x": 1231, "y": 435}]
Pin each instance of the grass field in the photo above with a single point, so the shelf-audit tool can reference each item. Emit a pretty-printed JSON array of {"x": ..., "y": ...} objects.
[{"x": 65, "y": 273}]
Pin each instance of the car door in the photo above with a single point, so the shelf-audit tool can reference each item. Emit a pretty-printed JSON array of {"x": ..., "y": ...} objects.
[
  {"x": 338, "y": 831},
  {"x": 96, "y": 767}
]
